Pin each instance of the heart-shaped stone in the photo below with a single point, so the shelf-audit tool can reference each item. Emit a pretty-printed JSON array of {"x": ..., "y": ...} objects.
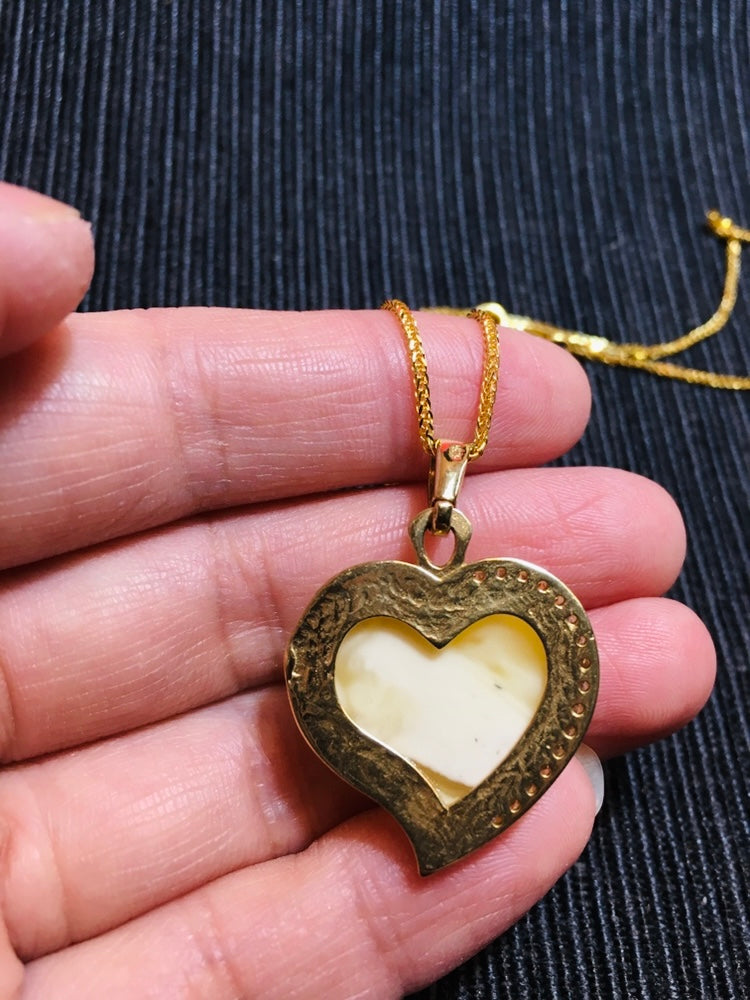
[
  {"x": 445, "y": 824},
  {"x": 453, "y": 713}
]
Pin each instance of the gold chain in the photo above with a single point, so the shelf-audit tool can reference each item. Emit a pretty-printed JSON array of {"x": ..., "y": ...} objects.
[
  {"x": 647, "y": 357},
  {"x": 490, "y": 372}
]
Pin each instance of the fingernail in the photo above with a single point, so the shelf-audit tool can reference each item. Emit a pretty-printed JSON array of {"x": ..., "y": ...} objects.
[
  {"x": 33, "y": 205},
  {"x": 594, "y": 772}
]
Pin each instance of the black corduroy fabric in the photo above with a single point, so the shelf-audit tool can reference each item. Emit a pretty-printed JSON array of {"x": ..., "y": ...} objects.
[{"x": 557, "y": 157}]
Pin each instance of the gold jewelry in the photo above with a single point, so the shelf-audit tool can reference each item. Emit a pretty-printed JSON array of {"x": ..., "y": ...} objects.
[
  {"x": 452, "y": 694},
  {"x": 647, "y": 357},
  {"x": 490, "y": 373}
]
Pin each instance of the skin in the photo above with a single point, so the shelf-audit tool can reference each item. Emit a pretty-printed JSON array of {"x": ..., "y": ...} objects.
[{"x": 176, "y": 485}]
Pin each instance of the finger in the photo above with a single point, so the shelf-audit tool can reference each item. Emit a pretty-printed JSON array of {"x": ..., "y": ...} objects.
[
  {"x": 144, "y": 630},
  {"x": 46, "y": 262},
  {"x": 659, "y": 667},
  {"x": 126, "y": 420},
  {"x": 11, "y": 967},
  {"x": 171, "y": 806},
  {"x": 121, "y": 827},
  {"x": 361, "y": 919}
]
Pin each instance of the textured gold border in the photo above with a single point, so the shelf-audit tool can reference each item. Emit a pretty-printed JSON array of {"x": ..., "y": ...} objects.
[{"x": 439, "y": 605}]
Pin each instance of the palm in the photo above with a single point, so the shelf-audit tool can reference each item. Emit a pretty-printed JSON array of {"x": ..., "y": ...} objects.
[{"x": 174, "y": 490}]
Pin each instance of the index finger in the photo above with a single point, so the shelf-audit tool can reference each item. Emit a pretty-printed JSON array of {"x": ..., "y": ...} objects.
[{"x": 122, "y": 421}]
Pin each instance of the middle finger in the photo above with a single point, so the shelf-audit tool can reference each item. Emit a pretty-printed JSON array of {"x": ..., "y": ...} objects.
[{"x": 144, "y": 629}]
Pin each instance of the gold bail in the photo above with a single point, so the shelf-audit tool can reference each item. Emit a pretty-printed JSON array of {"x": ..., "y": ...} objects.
[{"x": 447, "y": 469}]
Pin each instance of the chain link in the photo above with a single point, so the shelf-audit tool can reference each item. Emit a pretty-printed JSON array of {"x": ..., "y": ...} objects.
[
  {"x": 487, "y": 392},
  {"x": 647, "y": 357}
]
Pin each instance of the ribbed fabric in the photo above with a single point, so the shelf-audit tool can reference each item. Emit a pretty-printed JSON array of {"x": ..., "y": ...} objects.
[{"x": 557, "y": 157}]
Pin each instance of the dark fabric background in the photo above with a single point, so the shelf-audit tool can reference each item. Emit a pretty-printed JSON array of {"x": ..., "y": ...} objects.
[{"x": 557, "y": 157}]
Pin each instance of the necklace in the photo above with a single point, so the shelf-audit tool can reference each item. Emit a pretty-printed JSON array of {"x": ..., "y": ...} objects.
[
  {"x": 451, "y": 694},
  {"x": 649, "y": 357}
]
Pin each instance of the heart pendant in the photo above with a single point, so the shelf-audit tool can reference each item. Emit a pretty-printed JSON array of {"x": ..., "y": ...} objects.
[{"x": 452, "y": 695}]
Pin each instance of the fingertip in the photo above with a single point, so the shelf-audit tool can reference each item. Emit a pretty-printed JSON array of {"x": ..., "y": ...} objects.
[
  {"x": 693, "y": 659},
  {"x": 46, "y": 264},
  {"x": 30, "y": 204},
  {"x": 646, "y": 530},
  {"x": 658, "y": 670},
  {"x": 659, "y": 538},
  {"x": 543, "y": 397},
  {"x": 562, "y": 400},
  {"x": 669, "y": 523}
]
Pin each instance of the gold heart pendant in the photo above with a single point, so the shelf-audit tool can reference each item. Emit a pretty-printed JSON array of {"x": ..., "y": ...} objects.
[{"x": 452, "y": 695}]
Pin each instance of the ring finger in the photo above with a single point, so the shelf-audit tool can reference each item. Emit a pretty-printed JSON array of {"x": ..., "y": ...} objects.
[{"x": 125, "y": 825}]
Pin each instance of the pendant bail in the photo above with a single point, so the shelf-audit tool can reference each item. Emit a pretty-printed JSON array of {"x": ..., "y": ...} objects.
[{"x": 447, "y": 470}]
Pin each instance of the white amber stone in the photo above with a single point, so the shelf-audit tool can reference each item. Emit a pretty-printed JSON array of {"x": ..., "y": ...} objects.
[{"x": 453, "y": 713}]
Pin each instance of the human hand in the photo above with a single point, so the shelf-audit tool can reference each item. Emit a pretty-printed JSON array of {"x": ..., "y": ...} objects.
[{"x": 176, "y": 485}]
